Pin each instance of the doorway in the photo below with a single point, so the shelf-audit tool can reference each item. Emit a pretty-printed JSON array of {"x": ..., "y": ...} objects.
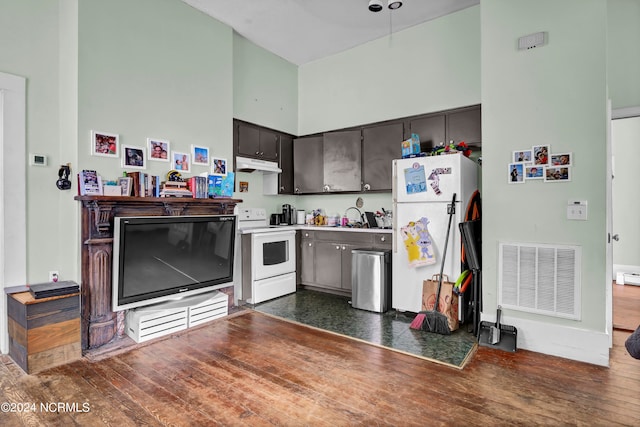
[
  {"x": 13, "y": 234},
  {"x": 625, "y": 135}
]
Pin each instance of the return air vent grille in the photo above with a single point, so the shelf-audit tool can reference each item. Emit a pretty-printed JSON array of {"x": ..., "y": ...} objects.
[{"x": 540, "y": 278}]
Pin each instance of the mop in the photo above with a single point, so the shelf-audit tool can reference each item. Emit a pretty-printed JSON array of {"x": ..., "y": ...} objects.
[{"x": 433, "y": 320}]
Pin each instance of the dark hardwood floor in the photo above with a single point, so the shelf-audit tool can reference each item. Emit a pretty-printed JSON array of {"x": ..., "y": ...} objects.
[
  {"x": 626, "y": 307},
  {"x": 251, "y": 369}
]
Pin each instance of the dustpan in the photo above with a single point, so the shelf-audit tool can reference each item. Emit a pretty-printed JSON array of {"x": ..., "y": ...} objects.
[{"x": 497, "y": 335}]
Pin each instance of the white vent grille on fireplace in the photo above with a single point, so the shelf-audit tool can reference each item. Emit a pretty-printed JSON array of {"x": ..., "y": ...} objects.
[{"x": 540, "y": 278}]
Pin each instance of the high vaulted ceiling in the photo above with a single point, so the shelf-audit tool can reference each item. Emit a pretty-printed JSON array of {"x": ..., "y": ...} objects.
[{"x": 302, "y": 31}]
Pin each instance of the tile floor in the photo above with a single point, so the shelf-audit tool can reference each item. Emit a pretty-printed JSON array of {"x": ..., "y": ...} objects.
[{"x": 391, "y": 329}]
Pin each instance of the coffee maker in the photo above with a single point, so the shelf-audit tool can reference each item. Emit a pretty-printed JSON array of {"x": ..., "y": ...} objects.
[{"x": 288, "y": 214}]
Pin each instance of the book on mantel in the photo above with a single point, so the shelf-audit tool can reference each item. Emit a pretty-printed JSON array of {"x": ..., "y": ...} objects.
[{"x": 53, "y": 289}]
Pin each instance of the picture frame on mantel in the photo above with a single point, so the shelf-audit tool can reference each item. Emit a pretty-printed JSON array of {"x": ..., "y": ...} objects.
[{"x": 105, "y": 144}]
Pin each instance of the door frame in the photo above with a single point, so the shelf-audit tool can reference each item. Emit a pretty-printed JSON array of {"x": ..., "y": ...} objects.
[{"x": 13, "y": 225}]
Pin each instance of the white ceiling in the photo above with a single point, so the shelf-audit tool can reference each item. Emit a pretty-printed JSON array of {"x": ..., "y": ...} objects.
[{"x": 302, "y": 31}]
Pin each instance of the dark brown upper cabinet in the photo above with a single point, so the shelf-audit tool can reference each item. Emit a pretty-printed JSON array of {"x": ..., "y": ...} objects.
[
  {"x": 430, "y": 129},
  {"x": 255, "y": 142},
  {"x": 342, "y": 157},
  {"x": 285, "y": 162},
  {"x": 308, "y": 165},
  {"x": 380, "y": 145},
  {"x": 465, "y": 125}
]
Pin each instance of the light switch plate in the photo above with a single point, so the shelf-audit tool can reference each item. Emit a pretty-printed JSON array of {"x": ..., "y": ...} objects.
[{"x": 577, "y": 210}]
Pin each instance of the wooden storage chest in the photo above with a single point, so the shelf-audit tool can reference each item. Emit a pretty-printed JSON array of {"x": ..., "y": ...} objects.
[{"x": 43, "y": 333}]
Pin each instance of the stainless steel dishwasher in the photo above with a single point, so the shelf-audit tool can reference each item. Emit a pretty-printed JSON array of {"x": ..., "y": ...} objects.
[{"x": 370, "y": 279}]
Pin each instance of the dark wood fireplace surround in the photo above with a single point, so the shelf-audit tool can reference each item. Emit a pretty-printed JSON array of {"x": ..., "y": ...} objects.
[{"x": 99, "y": 323}]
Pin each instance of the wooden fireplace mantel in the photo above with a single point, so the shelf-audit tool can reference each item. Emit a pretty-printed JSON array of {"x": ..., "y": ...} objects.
[{"x": 99, "y": 325}]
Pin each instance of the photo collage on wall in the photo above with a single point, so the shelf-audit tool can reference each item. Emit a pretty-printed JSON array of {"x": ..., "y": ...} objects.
[
  {"x": 538, "y": 163},
  {"x": 107, "y": 144}
]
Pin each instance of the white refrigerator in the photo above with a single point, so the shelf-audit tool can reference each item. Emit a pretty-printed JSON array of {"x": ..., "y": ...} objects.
[{"x": 422, "y": 188}]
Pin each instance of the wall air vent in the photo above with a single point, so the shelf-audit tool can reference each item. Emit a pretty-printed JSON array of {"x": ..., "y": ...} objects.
[
  {"x": 539, "y": 278},
  {"x": 532, "y": 40}
]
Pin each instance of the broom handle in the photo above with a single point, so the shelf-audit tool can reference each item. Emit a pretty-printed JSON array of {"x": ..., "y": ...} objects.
[{"x": 444, "y": 254}]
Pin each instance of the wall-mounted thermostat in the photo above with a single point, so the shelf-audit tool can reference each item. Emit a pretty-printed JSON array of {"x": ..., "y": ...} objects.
[
  {"x": 37, "y": 160},
  {"x": 532, "y": 40}
]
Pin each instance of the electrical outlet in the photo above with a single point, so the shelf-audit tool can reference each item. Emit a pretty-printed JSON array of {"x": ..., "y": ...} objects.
[{"x": 53, "y": 276}]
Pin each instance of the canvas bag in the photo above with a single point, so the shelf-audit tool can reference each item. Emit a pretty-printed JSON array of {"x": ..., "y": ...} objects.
[{"x": 448, "y": 299}]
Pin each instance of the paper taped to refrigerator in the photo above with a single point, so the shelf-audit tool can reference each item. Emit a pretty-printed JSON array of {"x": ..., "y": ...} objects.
[
  {"x": 418, "y": 243},
  {"x": 415, "y": 179}
]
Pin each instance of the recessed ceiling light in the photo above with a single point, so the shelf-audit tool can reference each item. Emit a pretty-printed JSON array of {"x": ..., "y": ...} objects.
[
  {"x": 375, "y": 5},
  {"x": 393, "y": 4}
]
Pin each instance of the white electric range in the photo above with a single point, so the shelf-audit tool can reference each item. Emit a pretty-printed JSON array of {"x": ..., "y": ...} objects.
[{"x": 265, "y": 266}]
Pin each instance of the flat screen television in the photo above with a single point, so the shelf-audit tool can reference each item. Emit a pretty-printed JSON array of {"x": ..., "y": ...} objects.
[{"x": 162, "y": 258}]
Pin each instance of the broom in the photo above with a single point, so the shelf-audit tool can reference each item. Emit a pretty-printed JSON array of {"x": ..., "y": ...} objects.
[{"x": 433, "y": 320}]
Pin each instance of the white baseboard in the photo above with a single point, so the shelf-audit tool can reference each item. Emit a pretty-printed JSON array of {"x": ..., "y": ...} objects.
[
  {"x": 619, "y": 269},
  {"x": 561, "y": 341}
]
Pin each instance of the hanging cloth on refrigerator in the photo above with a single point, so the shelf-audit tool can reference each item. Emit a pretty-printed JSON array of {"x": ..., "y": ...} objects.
[{"x": 418, "y": 243}]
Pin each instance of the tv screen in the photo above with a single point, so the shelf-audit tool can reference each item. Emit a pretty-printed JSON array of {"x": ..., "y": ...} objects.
[{"x": 168, "y": 257}]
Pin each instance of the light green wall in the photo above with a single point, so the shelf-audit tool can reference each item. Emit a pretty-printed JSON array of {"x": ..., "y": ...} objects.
[
  {"x": 623, "y": 60},
  {"x": 429, "y": 67},
  {"x": 265, "y": 87},
  {"x": 166, "y": 73},
  {"x": 554, "y": 94},
  {"x": 29, "y": 48}
]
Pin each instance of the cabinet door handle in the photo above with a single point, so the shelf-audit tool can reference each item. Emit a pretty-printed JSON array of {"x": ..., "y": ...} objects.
[
  {"x": 325, "y": 188},
  {"x": 297, "y": 190},
  {"x": 282, "y": 188},
  {"x": 337, "y": 247},
  {"x": 306, "y": 234},
  {"x": 257, "y": 153},
  {"x": 382, "y": 239},
  {"x": 344, "y": 248},
  {"x": 310, "y": 244},
  {"x": 367, "y": 187}
]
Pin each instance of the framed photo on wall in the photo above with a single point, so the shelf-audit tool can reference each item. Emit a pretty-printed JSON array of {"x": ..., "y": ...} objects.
[
  {"x": 133, "y": 157},
  {"x": 181, "y": 162},
  {"x": 516, "y": 173},
  {"x": 561, "y": 159},
  {"x": 557, "y": 174},
  {"x": 200, "y": 155},
  {"x": 104, "y": 144},
  {"x": 158, "y": 149},
  {"x": 540, "y": 154},
  {"x": 218, "y": 166},
  {"x": 533, "y": 172},
  {"x": 522, "y": 156}
]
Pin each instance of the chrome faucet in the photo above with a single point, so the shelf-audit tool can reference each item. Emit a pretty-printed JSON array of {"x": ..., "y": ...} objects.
[{"x": 360, "y": 218}]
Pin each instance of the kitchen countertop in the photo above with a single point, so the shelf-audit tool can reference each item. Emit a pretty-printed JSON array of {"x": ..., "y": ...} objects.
[{"x": 275, "y": 228}]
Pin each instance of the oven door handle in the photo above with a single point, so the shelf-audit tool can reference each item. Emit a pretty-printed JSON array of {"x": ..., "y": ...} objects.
[{"x": 272, "y": 236}]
